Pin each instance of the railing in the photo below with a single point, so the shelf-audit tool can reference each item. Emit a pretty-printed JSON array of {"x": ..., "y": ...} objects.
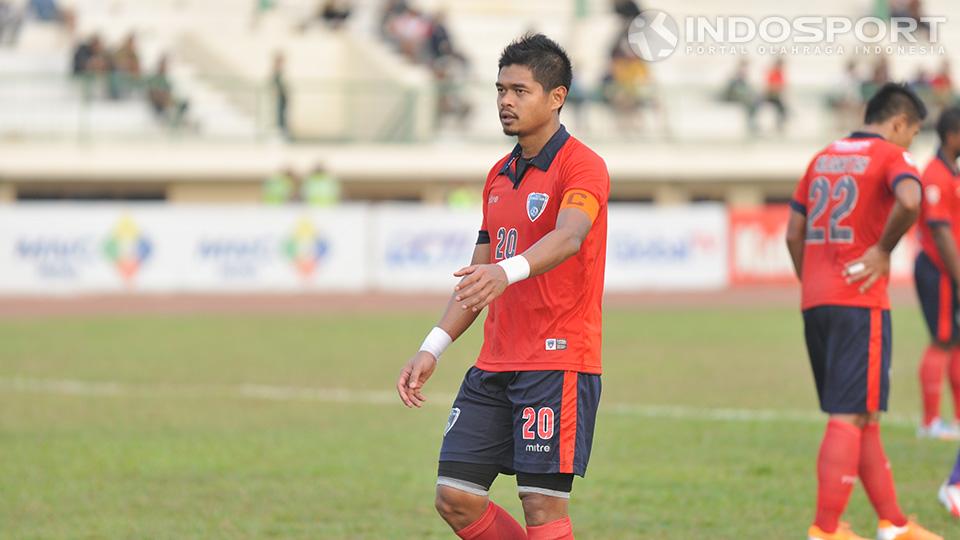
[{"x": 53, "y": 107}]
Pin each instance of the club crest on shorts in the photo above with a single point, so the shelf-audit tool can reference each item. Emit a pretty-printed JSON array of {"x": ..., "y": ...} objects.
[
  {"x": 536, "y": 202},
  {"x": 454, "y": 415}
]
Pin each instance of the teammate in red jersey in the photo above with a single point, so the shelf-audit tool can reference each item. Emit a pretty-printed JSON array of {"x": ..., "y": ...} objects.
[
  {"x": 529, "y": 404},
  {"x": 937, "y": 273},
  {"x": 856, "y": 200}
]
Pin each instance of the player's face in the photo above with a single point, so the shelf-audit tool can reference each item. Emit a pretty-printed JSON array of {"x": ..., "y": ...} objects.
[
  {"x": 522, "y": 102},
  {"x": 904, "y": 131}
]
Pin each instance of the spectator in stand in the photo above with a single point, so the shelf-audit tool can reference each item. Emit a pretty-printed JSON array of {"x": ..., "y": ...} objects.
[
  {"x": 90, "y": 58},
  {"x": 160, "y": 94},
  {"x": 773, "y": 94},
  {"x": 627, "y": 86},
  {"x": 941, "y": 87},
  {"x": 333, "y": 13},
  {"x": 627, "y": 10},
  {"x": 739, "y": 91},
  {"x": 321, "y": 188},
  {"x": 284, "y": 187},
  {"x": 50, "y": 11},
  {"x": 845, "y": 100},
  {"x": 910, "y": 9},
  {"x": 410, "y": 31},
  {"x": 125, "y": 68},
  {"x": 439, "y": 42},
  {"x": 879, "y": 77},
  {"x": 391, "y": 10},
  {"x": 278, "y": 80},
  {"x": 336, "y": 12},
  {"x": 11, "y": 19}
]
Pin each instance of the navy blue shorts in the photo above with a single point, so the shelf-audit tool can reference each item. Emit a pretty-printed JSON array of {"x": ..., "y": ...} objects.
[
  {"x": 537, "y": 422},
  {"x": 938, "y": 300},
  {"x": 849, "y": 350}
]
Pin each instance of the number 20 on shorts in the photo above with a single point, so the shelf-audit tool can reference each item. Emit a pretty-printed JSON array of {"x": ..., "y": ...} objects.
[{"x": 542, "y": 420}]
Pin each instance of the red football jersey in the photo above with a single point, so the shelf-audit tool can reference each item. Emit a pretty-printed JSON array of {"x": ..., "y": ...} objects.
[
  {"x": 847, "y": 195},
  {"x": 551, "y": 321},
  {"x": 941, "y": 205}
]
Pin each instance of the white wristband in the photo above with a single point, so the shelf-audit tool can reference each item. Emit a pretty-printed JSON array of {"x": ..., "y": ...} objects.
[
  {"x": 436, "y": 342},
  {"x": 517, "y": 268}
]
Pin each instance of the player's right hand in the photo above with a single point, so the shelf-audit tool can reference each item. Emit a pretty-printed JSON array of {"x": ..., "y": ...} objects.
[
  {"x": 873, "y": 265},
  {"x": 413, "y": 376}
]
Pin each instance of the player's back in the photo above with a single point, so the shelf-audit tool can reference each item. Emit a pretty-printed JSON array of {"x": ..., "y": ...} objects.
[{"x": 847, "y": 195}]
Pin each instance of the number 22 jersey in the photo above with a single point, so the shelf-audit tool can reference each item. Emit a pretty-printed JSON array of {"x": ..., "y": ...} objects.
[{"x": 846, "y": 195}]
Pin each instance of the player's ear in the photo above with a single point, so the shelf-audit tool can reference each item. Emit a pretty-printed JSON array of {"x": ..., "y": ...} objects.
[{"x": 558, "y": 96}]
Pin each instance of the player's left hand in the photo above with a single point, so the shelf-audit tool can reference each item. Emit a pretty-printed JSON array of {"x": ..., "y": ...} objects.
[
  {"x": 480, "y": 285},
  {"x": 872, "y": 266}
]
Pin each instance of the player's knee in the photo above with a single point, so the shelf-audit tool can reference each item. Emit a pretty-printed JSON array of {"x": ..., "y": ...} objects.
[
  {"x": 541, "y": 509},
  {"x": 857, "y": 420},
  {"x": 458, "y": 508}
]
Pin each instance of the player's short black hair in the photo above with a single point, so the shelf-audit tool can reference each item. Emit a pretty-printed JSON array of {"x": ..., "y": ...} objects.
[
  {"x": 949, "y": 122},
  {"x": 893, "y": 99},
  {"x": 546, "y": 59}
]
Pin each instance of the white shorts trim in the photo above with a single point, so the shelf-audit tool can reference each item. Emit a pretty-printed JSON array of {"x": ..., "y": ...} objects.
[
  {"x": 462, "y": 485},
  {"x": 542, "y": 491}
]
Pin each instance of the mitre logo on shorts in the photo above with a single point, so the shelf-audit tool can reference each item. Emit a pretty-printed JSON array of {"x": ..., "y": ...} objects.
[
  {"x": 451, "y": 420},
  {"x": 555, "y": 344},
  {"x": 536, "y": 202}
]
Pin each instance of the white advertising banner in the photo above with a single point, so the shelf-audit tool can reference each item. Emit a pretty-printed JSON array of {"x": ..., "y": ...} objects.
[
  {"x": 67, "y": 248},
  {"x": 653, "y": 248},
  {"x": 418, "y": 248},
  {"x": 93, "y": 248}
]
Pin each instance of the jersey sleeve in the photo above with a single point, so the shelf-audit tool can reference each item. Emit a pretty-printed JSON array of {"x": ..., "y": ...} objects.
[
  {"x": 586, "y": 184},
  {"x": 901, "y": 166},
  {"x": 483, "y": 237},
  {"x": 936, "y": 202}
]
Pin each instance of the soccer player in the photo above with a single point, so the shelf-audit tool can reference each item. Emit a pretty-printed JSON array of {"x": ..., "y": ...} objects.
[
  {"x": 857, "y": 199},
  {"x": 528, "y": 405},
  {"x": 937, "y": 273}
]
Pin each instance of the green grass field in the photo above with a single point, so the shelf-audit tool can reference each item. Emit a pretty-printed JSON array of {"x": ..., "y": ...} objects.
[{"x": 193, "y": 427}]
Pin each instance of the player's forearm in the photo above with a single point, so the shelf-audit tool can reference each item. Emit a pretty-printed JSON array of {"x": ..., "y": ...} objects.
[
  {"x": 551, "y": 250},
  {"x": 901, "y": 219},
  {"x": 906, "y": 209},
  {"x": 947, "y": 247},
  {"x": 796, "y": 240},
  {"x": 795, "y": 247},
  {"x": 455, "y": 320}
]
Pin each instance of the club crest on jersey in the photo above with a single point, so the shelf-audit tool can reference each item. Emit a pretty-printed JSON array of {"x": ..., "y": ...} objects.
[
  {"x": 454, "y": 415},
  {"x": 908, "y": 157},
  {"x": 536, "y": 202}
]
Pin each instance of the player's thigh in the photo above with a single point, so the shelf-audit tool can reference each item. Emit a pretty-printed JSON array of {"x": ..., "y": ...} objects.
[
  {"x": 554, "y": 418},
  {"x": 480, "y": 425},
  {"x": 855, "y": 359},
  {"x": 938, "y": 300}
]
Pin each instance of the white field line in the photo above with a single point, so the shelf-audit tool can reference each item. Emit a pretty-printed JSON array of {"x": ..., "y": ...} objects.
[{"x": 64, "y": 387}]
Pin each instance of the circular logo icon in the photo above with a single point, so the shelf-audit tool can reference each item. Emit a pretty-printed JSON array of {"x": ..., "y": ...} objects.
[{"x": 653, "y": 35}]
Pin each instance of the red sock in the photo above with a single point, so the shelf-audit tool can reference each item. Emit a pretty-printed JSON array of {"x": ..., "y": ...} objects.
[
  {"x": 495, "y": 524},
  {"x": 836, "y": 472},
  {"x": 560, "y": 529},
  {"x": 877, "y": 477},
  {"x": 955, "y": 380},
  {"x": 931, "y": 380}
]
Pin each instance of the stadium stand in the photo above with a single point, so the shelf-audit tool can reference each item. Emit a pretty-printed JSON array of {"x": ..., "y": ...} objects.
[{"x": 347, "y": 84}]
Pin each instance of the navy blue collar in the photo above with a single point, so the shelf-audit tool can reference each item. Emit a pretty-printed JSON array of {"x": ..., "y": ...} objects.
[
  {"x": 865, "y": 135},
  {"x": 542, "y": 161},
  {"x": 951, "y": 165}
]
